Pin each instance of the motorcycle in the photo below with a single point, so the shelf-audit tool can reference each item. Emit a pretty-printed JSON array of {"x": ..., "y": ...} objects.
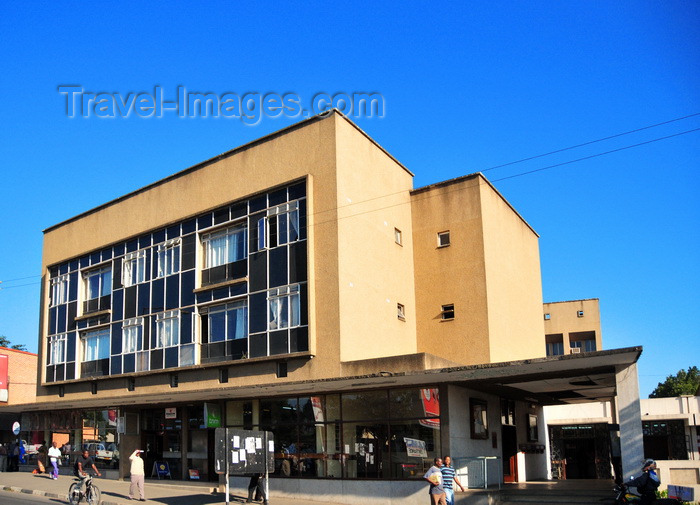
[{"x": 624, "y": 497}]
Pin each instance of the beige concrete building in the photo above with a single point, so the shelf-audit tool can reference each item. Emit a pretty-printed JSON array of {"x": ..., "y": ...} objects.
[
  {"x": 572, "y": 327},
  {"x": 299, "y": 284},
  {"x": 18, "y": 370}
]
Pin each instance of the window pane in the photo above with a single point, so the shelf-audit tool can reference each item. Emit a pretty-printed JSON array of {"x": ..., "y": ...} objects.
[
  {"x": 365, "y": 405},
  {"x": 217, "y": 326},
  {"x": 237, "y": 322},
  {"x": 93, "y": 286},
  {"x": 106, "y": 283},
  {"x": 295, "y": 309},
  {"x": 294, "y": 226},
  {"x": 282, "y": 228}
]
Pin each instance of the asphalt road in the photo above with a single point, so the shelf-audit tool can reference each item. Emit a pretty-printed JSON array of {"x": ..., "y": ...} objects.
[{"x": 28, "y": 499}]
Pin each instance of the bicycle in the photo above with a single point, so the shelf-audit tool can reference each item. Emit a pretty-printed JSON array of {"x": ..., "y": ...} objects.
[{"x": 91, "y": 494}]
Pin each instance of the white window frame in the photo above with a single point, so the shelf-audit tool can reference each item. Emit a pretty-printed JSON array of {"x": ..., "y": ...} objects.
[
  {"x": 226, "y": 308},
  {"x": 285, "y": 217},
  {"x": 284, "y": 307},
  {"x": 59, "y": 289},
  {"x": 57, "y": 349},
  {"x": 132, "y": 335},
  {"x": 134, "y": 266},
  {"x": 211, "y": 259},
  {"x": 445, "y": 310},
  {"x": 169, "y": 258},
  {"x": 102, "y": 341},
  {"x": 441, "y": 236},
  {"x": 398, "y": 236},
  {"x": 552, "y": 346},
  {"x": 88, "y": 274},
  {"x": 168, "y": 329}
]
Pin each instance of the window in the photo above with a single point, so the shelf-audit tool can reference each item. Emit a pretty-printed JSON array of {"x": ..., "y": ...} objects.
[
  {"x": 547, "y": 317},
  {"x": 225, "y": 246},
  {"x": 443, "y": 238},
  {"x": 479, "y": 425},
  {"x": 284, "y": 307},
  {"x": 134, "y": 268},
  {"x": 532, "y": 428},
  {"x": 401, "y": 311},
  {"x": 96, "y": 345},
  {"x": 555, "y": 348},
  {"x": 281, "y": 226},
  {"x": 228, "y": 322},
  {"x": 579, "y": 313},
  {"x": 397, "y": 236},
  {"x": 448, "y": 312},
  {"x": 168, "y": 329},
  {"x": 132, "y": 335},
  {"x": 59, "y": 290},
  {"x": 57, "y": 349},
  {"x": 169, "y": 258},
  {"x": 97, "y": 283},
  {"x": 584, "y": 345}
]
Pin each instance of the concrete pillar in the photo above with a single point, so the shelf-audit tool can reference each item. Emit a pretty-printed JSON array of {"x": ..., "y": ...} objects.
[{"x": 629, "y": 416}]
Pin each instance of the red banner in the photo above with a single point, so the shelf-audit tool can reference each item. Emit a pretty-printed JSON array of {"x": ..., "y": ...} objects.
[{"x": 3, "y": 371}]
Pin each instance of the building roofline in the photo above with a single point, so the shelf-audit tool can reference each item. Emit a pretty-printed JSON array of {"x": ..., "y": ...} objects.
[
  {"x": 17, "y": 350},
  {"x": 226, "y": 154},
  {"x": 474, "y": 175},
  {"x": 571, "y": 301}
]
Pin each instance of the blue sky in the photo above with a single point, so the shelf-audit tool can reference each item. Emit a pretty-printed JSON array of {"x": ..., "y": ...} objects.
[{"x": 467, "y": 86}]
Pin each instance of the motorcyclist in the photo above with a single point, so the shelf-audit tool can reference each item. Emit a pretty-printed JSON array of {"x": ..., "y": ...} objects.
[{"x": 647, "y": 483}]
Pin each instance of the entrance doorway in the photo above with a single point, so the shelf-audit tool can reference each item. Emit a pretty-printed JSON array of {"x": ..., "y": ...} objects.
[
  {"x": 581, "y": 451},
  {"x": 510, "y": 453}
]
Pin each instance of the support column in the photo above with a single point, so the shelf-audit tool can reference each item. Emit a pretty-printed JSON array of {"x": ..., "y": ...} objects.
[{"x": 629, "y": 415}]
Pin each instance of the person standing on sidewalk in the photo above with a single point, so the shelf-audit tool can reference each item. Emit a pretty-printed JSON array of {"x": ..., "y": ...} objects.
[
  {"x": 434, "y": 477},
  {"x": 54, "y": 457},
  {"x": 3, "y": 457},
  {"x": 449, "y": 478},
  {"x": 137, "y": 476}
]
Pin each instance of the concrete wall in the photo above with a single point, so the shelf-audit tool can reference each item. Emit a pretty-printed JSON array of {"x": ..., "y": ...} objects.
[
  {"x": 21, "y": 377},
  {"x": 374, "y": 272},
  {"x": 513, "y": 280},
  {"x": 451, "y": 275}
]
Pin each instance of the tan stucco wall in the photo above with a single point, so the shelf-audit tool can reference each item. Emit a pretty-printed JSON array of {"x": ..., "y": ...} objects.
[
  {"x": 375, "y": 273},
  {"x": 451, "y": 275},
  {"x": 21, "y": 377},
  {"x": 564, "y": 320},
  {"x": 513, "y": 280}
]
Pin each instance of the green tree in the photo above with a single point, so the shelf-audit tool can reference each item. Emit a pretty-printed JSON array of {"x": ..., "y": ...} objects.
[
  {"x": 5, "y": 342},
  {"x": 682, "y": 383}
]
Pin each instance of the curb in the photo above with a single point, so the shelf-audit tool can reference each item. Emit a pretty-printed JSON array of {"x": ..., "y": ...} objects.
[{"x": 47, "y": 494}]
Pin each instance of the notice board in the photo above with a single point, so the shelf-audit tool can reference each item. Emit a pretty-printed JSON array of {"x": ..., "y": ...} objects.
[{"x": 244, "y": 451}]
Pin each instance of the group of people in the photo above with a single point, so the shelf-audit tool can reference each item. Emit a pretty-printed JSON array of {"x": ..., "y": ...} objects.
[
  {"x": 442, "y": 479},
  {"x": 12, "y": 455},
  {"x": 52, "y": 456}
]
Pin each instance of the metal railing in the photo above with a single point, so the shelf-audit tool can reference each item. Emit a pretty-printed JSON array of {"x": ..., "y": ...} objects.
[{"x": 479, "y": 472}]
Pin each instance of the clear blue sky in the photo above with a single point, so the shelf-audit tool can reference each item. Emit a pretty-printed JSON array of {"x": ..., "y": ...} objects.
[{"x": 468, "y": 86}]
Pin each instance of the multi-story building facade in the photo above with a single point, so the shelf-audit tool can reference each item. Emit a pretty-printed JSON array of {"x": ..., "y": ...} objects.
[
  {"x": 299, "y": 284},
  {"x": 18, "y": 375},
  {"x": 572, "y": 327}
]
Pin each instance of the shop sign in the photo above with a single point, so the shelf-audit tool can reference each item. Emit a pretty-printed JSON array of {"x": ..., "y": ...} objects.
[
  {"x": 194, "y": 474},
  {"x": 171, "y": 413},
  {"x": 317, "y": 408},
  {"x": 15, "y": 428},
  {"x": 431, "y": 407},
  {"x": 415, "y": 448},
  {"x": 212, "y": 415}
]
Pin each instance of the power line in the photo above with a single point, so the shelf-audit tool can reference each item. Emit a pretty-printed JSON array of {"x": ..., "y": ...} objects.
[
  {"x": 596, "y": 155},
  {"x": 20, "y": 278},
  {"x": 19, "y": 286},
  {"x": 592, "y": 142}
]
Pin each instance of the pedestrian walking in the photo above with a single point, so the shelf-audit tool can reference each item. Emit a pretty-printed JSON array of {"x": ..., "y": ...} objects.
[
  {"x": 54, "y": 459},
  {"x": 137, "y": 476},
  {"x": 434, "y": 477},
  {"x": 3, "y": 457},
  {"x": 449, "y": 478},
  {"x": 41, "y": 458},
  {"x": 257, "y": 487}
]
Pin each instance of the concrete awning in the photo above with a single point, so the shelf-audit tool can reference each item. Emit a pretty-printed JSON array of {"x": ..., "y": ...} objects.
[{"x": 554, "y": 380}]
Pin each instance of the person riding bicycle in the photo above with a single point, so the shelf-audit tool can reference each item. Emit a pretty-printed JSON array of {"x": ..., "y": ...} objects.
[
  {"x": 82, "y": 463},
  {"x": 647, "y": 483}
]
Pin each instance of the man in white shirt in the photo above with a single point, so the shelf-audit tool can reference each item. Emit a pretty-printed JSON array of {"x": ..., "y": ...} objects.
[
  {"x": 137, "y": 476},
  {"x": 54, "y": 457}
]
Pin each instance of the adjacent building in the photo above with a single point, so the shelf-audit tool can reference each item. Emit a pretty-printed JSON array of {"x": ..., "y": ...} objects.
[
  {"x": 18, "y": 375},
  {"x": 299, "y": 284}
]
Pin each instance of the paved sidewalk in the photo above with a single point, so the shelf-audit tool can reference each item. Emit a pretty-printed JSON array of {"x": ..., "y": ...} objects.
[{"x": 116, "y": 492}]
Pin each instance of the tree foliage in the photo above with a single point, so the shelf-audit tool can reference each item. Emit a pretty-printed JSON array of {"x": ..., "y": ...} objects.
[
  {"x": 5, "y": 342},
  {"x": 682, "y": 383}
]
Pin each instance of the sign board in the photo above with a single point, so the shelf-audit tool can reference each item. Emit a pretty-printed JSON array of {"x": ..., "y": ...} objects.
[
  {"x": 161, "y": 469},
  {"x": 15, "y": 428},
  {"x": 431, "y": 407},
  {"x": 3, "y": 377},
  {"x": 682, "y": 493},
  {"x": 171, "y": 413},
  {"x": 415, "y": 448},
  {"x": 212, "y": 415},
  {"x": 194, "y": 474},
  {"x": 244, "y": 451}
]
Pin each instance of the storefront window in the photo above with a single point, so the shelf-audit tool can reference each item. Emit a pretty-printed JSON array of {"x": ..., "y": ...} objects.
[
  {"x": 99, "y": 437},
  {"x": 365, "y": 405}
]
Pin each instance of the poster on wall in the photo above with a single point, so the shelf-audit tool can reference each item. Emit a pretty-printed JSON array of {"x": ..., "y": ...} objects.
[
  {"x": 212, "y": 415},
  {"x": 3, "y": 378},
  {"x": 431, "y": 407},
  {"x": 415, "y": 448},
  {"x": 171, "y": 413}
]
